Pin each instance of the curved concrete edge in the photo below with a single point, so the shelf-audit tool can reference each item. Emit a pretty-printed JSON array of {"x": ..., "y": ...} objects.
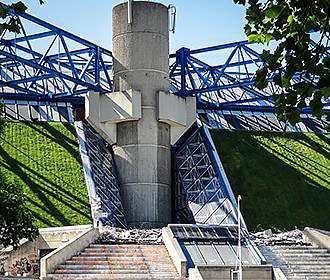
[
  {"x": 173, "y": 247},
  {"x": 80, "y": 242},
  {"x": 317, "y": 237},
  {"x": 278, "y": 274}
]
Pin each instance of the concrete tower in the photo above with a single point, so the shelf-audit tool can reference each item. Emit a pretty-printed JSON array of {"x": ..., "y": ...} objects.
[{"x": 140, "y": 117}]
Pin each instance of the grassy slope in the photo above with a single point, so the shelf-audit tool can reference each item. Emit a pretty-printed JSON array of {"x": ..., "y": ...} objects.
[
  {"x": 284, "y": 179},
  {"x": 44, "y": 158}
]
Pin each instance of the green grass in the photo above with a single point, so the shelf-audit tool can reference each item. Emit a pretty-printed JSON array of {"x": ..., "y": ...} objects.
[
  {"x": 284, "y": 179},
  {"x": 44, "y": 158}
]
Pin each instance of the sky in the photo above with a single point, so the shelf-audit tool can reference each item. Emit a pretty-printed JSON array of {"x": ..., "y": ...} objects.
[{"x": 199, "y": 23}]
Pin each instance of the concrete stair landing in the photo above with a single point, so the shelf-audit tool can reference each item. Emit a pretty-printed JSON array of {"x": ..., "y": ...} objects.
[{"x": 119, "y": 262}]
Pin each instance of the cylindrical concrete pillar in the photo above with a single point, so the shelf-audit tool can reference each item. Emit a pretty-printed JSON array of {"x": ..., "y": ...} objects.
[{"x": 142, "y": 153}]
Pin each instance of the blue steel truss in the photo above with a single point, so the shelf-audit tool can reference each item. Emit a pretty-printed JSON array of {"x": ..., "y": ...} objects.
[
  {"x": 105, "y": 179},
  {"x": 228, "y": 85},
  {"x": 50, "y": 63},
  {"x": 47, "y": 63},
  {"x": 202, "y": 191}
]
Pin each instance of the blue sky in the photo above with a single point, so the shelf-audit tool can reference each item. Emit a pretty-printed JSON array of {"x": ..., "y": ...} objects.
[{"x": 199, "y": 23}]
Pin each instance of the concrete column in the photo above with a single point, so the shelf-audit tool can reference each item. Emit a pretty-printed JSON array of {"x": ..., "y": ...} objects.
[{"x": 142, "y": 150}]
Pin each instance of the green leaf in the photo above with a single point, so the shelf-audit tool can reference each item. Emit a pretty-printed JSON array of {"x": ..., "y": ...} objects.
[
  {"x": 273, "y": 11},
  {"x": 290, "y": 19},
  {"x": 317, "y": 105},
  {"x": 326, "y": 92},
  {"x": 253, "y": 37},
  {"x": 19, "y": 7},
  {"x": 2, "y": 28},
  {"x": 261, "y": 78},
  {"x": 294, "y": 116},
  {"x": 277, "y": 35},
  {"x": 13, "y": 26},
  {"x": 302, "y": 104},
  {"x": 286, "y": 82},
  {"x": 278, "y": 80},
  {"x": 3, "y": 13},
  {"x": 240, "y": 2},
  {"x": 268, "y": 37}
]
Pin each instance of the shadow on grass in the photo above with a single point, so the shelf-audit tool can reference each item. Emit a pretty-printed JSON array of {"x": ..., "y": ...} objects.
[
  {"x": 57, "y": 137},
  {"x": 50, "y": 183},
  {"x": 42, "y": 193},
  {"x": 275, "y": 194}
]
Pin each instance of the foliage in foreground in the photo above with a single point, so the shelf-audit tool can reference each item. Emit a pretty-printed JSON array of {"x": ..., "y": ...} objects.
[
  {"x": 16, "y": 220},
  {"x": 282, "y": 178},
  {"x": 291, "y": 23}
]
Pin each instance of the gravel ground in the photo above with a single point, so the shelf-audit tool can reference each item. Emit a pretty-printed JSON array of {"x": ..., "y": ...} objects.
[{"x": 110, "y": 235}]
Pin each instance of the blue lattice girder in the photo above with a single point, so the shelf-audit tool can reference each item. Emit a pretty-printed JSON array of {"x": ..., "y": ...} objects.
[
  {"x": 50, "y": 63},
  {"x": 202, "y": 192},
  {"x": 228, "y": 85}
]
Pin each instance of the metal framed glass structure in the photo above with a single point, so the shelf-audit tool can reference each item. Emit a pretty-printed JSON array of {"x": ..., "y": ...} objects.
[
  {"x": 202, "y": 191},
  {"x": 105, "y": 180}
]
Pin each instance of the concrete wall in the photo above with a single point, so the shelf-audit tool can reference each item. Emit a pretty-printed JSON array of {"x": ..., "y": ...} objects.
[
  {"x": 263, "y": 272},
  {"x": 73, "y": 247},
  {"x": 142, "y": 153},
  {"x": 317, "y": 237},
  {"x": 173, "y": 247},
  {"x": 140, "y": 117},
  {"x": 49, "y": 238}
]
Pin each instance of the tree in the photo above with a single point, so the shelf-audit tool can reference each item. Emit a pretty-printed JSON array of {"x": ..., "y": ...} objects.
[
  {"x": 9, "y": 21},
  {"x": 301, "y": 67},
  {"x": 16, "y": 220}
]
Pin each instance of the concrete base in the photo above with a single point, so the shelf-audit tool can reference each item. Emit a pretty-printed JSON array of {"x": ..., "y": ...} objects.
[
  {"x": 319, "y": 238},
  {"x": 49, "y": 238},
  {"x": 49, "y": 263},
  {"x": 260, "y": 272}
]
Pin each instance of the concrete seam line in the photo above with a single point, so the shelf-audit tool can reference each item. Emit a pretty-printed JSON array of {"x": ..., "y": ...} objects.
[
  {"x": 139, "y": 183},
  {"x": 140, "y": 32},
  {"x": 142, "y": 145},
  {"x": 142, "y": 69}
]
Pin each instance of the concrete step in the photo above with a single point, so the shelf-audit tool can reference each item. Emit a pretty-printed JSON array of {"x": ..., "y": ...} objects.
[
  {"x": 100, "y": 261},
  {"x": 130, "y": 246},
  {"x": 324, "y": 262},
  {"x": 308, "y": 278},
  {"x": 284, "y": 247},
  {"x": 99, "y": 272},
  {"x": 160, "y": 259},
  {"x": 109, "y": 276},
  {"x": 305, "y": 256},
  {"x": 125, "y": 250},
  {"x": 116, "y": 267}
]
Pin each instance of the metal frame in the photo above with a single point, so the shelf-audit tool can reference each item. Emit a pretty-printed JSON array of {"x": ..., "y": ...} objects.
[
  {"x": 105, "y": 179},
  {"x": 69, "y": 66},
  {"x": 66, "y": 68},
  {"x": 202, "y": 191},
  {"x": 228, "y": 85}
]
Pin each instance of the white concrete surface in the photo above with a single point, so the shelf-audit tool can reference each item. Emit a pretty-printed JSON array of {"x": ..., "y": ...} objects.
[
  {"x": 209, "y": 272},
  {"x": 140, "y": 117},
  {"x": 175, "y": 251},
  {"x": 74, "y": 246},
  {"x": 317, "y": 237},
  {"x": 49, "y": 238}
]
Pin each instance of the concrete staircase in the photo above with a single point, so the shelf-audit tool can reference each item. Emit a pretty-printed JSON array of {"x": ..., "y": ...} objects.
[
  {"x": 299, "y": 262},
  {"x": 119, "y": 262}
]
